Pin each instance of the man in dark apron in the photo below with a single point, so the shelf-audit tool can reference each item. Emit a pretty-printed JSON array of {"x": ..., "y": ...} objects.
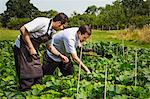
[{"x": 27, "y": 61}]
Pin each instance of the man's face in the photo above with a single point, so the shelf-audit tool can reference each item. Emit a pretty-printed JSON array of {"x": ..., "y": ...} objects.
[
  {"x": 83, "y": 37},
  {"x": 59, "y": 26}
]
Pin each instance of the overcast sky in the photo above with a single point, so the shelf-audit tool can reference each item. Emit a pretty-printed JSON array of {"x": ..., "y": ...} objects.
[{"x": 66, "y": 6}]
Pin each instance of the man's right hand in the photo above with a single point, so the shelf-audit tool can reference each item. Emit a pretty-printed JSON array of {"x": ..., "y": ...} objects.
[
  {"x": 26, "y": 38},
  {"x": 64, "y": 58},
  {"x": 32, "y": 51},
  {"x": 88, "y": 72}
]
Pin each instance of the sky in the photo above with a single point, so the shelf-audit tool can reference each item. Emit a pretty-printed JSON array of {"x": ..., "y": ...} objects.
[{"x": 66, "y": 6}]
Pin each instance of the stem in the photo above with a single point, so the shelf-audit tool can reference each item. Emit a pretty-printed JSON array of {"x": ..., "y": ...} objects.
[
  {"x": 79, "y": 72},
  {"x": 123, "y": 46},
  {"x": 105, "y": 91},
  {"x": 135, "y": 67}
]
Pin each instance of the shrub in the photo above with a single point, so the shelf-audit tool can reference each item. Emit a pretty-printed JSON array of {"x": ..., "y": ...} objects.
[
  {"x": 16, "y": 23},
  {"x": 139, "y": 21},
  {"x": 0, "y": 25}
]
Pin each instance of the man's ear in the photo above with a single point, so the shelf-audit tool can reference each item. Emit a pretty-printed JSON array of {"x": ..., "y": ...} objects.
[
  {"x": 79, "y": 33},
  {"x": 59, "y": 22}
]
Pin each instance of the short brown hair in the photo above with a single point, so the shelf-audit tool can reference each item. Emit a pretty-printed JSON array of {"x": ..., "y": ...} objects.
[
  {"x": 85, "y": 29},
  {"x": 61, "y": 17}
]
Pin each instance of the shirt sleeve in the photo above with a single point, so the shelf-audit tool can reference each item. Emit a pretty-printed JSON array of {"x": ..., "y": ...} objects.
[
  {"x": 70, "y": 45},
  {"x": 35, "y": 25},
  {"x": 51, "y": 41}
]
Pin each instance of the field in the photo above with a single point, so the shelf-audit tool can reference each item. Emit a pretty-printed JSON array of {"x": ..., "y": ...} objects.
[
  {"x": 114, "y": 36},
  {"x": 125, "y": 75},
  {"x": 6, "y": 34},
  {"x": 97, "y": 35}
]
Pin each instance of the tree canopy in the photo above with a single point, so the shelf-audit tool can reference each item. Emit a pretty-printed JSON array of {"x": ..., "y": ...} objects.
[
  {"x": 121, "y": 14},
  {"x": 118, "y": 15}
]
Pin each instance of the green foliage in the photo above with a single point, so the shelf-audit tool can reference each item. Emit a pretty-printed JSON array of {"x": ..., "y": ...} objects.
[
  {"x": 116, "y": 16},
  {"x": 16, "y": 23},
  {"x": 19, "y": 12},
  {"x": 119, "y": 15},
  {"x": 140, "y": 21},
  {"x": 6, "y": 34},
  {"x": 20, "y": 8},
  {"x": 91, "y": 10},
  {"x": 120, "y": 77},
  {"x": 49, "y": 14},
  {"x": 17, "y": 9}
]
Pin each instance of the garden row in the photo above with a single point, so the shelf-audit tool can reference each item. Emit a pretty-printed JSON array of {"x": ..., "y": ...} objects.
[{"x": 126, "y": 74}]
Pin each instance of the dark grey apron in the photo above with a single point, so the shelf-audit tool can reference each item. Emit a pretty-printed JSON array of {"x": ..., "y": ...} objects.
[{"x": 31, "y": 67}]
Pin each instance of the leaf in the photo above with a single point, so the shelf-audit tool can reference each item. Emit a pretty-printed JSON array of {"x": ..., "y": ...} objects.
[
  {"x": 120, "y": 97},
  {"x": 47, "y": 96},
  {"x": 38, "y": 87},
  {"x": 53, "y": 92},
  {"x": 148, "y": 85},
  {"x": 66, "y": 98},
  {"x": 48, "y": 84},
  {"x": 111, "y": 88},
  {"x": 8, "y": 78},
  {"x": 32, "y": 97},
  {"x": 1, "y": 94},
  {"x": 81, "y": 95},
  {"x": 120, "y": 88},
  {"x": 35, "y": 91}
]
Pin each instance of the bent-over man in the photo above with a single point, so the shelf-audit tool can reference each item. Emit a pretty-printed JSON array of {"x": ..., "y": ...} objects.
[{"x": 66, "y": 42}]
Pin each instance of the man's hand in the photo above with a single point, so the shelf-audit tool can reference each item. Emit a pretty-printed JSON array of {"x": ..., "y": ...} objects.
[
  {"x": 64, "y": 58},
  {"x": 27, "y": 40},
  {"x": 32, "y": 51},
  {"x": 88, "y": 72},
  {"x": 53, "y": 50}
]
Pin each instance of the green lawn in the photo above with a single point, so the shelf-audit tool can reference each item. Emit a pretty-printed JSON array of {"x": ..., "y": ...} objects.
[
  {"x": 97, "y": 35},
  {"x": 6, "y": 34}
]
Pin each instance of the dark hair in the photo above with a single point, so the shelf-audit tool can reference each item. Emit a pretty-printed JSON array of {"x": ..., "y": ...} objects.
[
  {"x": 61, "y": 17},
  {"x": 85, "y": 29}
]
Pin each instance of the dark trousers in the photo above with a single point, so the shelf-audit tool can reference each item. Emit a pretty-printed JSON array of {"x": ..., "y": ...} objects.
[
  {"x": 49, "y": 66},
  {"x": 24, "y": 84}
]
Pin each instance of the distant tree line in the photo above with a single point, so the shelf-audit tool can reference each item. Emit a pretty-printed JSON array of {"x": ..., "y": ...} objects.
[
  {"x": 19, "y": 12},
  {"x": 120, "y": 15}
]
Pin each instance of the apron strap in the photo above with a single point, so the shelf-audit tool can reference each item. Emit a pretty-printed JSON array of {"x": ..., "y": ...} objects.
[
  {"x": 37, "y": 41},
  {"x": 49, "y": 27}
]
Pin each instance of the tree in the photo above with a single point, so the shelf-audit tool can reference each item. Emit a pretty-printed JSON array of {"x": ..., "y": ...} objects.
[
  {"x": 147, "y": 8},
  {"x": 133, "y": 7},
  {"x": 91, "y": 10},
  {"x": 118, "y": 15},
  {"x": 20, "y": 8},
  {"x": 49, "y": 14},
  {"x": 4, "y": 18}
]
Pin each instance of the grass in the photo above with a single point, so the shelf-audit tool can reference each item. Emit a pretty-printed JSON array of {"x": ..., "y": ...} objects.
[
  {"x": 97, "y": 35},
  {"x": 110, "y": 36},
  {"x": 6, "y": 34}
]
